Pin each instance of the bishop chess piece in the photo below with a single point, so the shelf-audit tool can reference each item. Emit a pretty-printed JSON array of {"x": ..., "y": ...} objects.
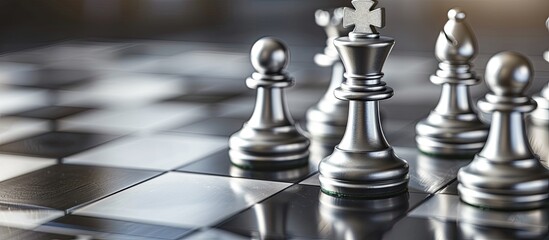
[
  {"x": 363, "y": 164},
  {"x": 453, "y": 128},
  {"x": 541, "y": 115},
  {"x": 506, "y": 174},
  {"x": 269, "y": 139},
  {"x": 327, "y": 119}
]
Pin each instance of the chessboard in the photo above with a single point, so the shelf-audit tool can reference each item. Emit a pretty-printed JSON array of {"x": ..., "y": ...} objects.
[{"x": 129, "y": 140}]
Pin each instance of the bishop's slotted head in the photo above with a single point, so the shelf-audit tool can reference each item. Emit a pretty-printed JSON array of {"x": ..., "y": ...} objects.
[
  {"x": 506, "y": 174},
  {"x": 453, "y": 128},
  {"x": 269, "y": 139},
  {"x": 364, "y": 17}
]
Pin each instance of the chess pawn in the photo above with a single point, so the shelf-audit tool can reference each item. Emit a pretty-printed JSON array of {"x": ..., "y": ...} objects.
[
  {"x": 505, "y": 174},
  {"x": 269, "y": 139},
  {"x": 453, "y": 128},
  {"x": 363, "y": 164},
  {"x": 326, "y": 120}
]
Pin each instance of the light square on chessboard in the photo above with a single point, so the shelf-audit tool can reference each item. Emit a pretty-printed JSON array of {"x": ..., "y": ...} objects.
[
  {"x": 17, "y": 99},
  {"x": 13, "y": 166},
  {"x": 304, "y": 212},
  {"x": 115, "y": 90},
  {"x": 55, "y": 144},
  {"x": 65, "y": 187},
  {"x": 219, "y": 163},
  {"x": 162, "y": 152},
  {"x": 13, "y": 128},
  {"x": 427, "y": 174},
  {"x": 26, "y": 217},
  {"x": 13, "y": 233},
  {"x": 227, "y": 64},
  {"x": 101, "y": 228},
  {"x": 155, "y": 117},
  {"x": 183, "y": 200}
]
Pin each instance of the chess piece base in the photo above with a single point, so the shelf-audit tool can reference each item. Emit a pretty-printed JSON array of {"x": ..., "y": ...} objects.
[
  {"x": 363, "y": 174},
  {"x": 522, "y": 184},
  {"x": 440, "y": 136},
  {"x": 326, "y": 120},
  {"x": 322, "y": 126},
  {"x": 273, "y": 148}
]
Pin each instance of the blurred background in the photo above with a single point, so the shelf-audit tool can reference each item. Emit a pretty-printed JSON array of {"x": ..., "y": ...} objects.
[{"x": 499, "y": 24}]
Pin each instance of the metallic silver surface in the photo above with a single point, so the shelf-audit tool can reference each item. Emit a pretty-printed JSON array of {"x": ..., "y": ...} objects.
[
  {"x": 506, "y": 174},
  {"x": 540, "y": 116},
  {"x": 364, "y": 17},
  {"x": 168, "y": 151},
  {"x": 453, "y": 128},
  {"x": 363, "y": 164},
  {"x": 428, "y": 174},
  {"x": 327, "y": 119},
  {"x": 269, "y": 139},
  {"x": 539, "y": 137},
  {"x": 332, "y": 22},
  {"x": 348, "y": 218}
]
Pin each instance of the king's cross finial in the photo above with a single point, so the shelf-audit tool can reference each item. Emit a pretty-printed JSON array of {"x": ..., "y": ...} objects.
[{"x": 364, "y": 18}]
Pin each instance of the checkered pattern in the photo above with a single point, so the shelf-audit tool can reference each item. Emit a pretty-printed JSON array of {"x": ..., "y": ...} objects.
[{"x": 103, "y": 140}]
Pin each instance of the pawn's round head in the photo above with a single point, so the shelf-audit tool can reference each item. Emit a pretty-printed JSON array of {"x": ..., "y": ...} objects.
[
  {"x": 269, "y": 56},
  {"x": 508, "y": 74},
  {"x": 456, "y": 14}
]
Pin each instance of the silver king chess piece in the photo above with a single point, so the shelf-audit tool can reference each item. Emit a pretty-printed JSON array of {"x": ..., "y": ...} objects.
[
  {"x": 453, "y": 128},
  {"x": 269, "y": 139},
  {"x": 327, "y": 119},
  {"x": 506, "y": 174},
  {"x": 363, "y": 164},
  {"x": 541, "y": 115}
]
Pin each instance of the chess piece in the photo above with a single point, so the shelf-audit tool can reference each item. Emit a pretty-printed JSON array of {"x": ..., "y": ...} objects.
[
  {"x": 505, "y": 174},
  {"x": 539, "y": 129},
  {"x": 453, "y": 128},
  {"x": 539, "y": 137},
  {"x": 269, "y": 139},
  {"x": 327, "y": 119},
  {"x": 541, "y": 115},
  {"x": 363, "y": 164}
]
